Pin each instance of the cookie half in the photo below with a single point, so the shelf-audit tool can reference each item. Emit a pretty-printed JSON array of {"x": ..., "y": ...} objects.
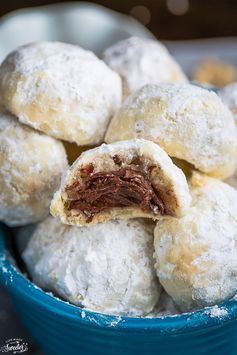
[{"x": 122, "y": 180}]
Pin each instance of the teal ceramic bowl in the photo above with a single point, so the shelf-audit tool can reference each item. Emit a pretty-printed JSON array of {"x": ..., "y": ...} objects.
[{"x": 60, "y": 328}]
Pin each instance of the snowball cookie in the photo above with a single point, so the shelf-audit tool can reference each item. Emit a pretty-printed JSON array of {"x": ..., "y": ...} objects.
[
  {"x": 229, "y": 97},
  {"x": 189, "y": 123},
  {"x": 60, "y": 89},
  {"x": 107, "y": 268},
  {"x": 215, "y": 72},
  {"x": 122, "y": 180},
  {"x": 142, "y": 61},
  {"x": 31, "y": 165},
  {"x": 197, "y": 254}
]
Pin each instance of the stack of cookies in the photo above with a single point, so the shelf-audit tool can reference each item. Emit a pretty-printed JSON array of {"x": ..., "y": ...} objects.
[{"x": 143, "y": 208}]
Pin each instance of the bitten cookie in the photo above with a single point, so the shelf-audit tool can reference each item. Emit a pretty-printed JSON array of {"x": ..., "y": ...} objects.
[
  {"x": 121, "y": 180},
  {"x": 107, "y": 268},
  {"x": 188, "y": 122},
  {"x": 197, "y": 254},
  {"x": 61, "y": 90},
  {"x": 142, "y": 61},
  {"x": 31, "y": 165}
]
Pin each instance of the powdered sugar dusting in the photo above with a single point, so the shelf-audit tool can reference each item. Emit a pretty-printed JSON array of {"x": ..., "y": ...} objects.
[
  {"x": 31, "y": 165},
  {"x": 61, "y": 89},
  {"x": 187, "y": 121},
  {"x": 109, "y": 270},
  {"x": 116, "y": 321},
  {"x": 218, "y": 312},
  {"x": 197, "y": 254},
  {"x": 83, "y": 314},
  {"x": 142, "y": 61},
  {"x": 3, "y": 269}
]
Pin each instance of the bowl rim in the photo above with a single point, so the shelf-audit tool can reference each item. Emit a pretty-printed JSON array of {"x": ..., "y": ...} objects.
[
  {"x": 18, "y": 285},
  {"x": 82, "y": 5}
]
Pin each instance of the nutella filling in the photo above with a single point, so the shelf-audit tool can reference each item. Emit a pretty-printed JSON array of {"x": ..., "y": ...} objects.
[{"x": 125, "y": 187}]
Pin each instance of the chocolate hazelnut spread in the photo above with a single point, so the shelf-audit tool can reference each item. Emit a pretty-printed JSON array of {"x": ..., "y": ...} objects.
[{"x": 122, "y": 188}]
